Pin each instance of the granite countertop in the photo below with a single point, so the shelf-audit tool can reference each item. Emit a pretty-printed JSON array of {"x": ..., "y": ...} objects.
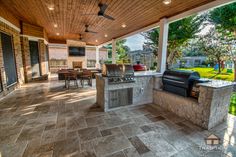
[
  {"x": 217, "y": 84},
  {"x": 147, "y": 73}
]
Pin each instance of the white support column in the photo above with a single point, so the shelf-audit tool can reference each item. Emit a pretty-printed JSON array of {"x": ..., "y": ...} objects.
[
  {"x": 162, "y": 47},
  {"x": 97, "y": 58},
  {"x": 113, "y": 51}
]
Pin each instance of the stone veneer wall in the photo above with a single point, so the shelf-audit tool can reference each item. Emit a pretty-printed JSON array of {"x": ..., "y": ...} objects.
[
  {"x": 218, "y": 101},
  {"x": 142, "y": 90},
  {"x": 18, "y": 58},
  {"x": 210, "y": 109}
]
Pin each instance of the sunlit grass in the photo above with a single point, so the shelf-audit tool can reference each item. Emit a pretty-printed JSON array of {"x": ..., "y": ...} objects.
[
  {"x": 212, "y": 74},
  {"x": 232, "y": 108}
]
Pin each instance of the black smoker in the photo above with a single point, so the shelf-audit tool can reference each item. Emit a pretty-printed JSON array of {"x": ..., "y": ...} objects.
[{"x": 180, "y": 82}]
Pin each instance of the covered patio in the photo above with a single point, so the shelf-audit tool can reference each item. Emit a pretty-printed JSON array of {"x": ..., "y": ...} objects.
[{"x": 41, "y": 118}]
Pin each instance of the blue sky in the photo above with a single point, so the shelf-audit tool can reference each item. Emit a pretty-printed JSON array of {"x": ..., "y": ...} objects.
[{"x": 135, "y": 42}]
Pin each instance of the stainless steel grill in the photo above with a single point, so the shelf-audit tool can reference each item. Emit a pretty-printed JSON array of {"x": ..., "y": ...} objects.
[{"x": 118, "y": 73}]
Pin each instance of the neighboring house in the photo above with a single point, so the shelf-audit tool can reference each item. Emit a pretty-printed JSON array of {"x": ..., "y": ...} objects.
[
  {"x": 144, "y": 57},
  {"x": 193, "y": 61}
]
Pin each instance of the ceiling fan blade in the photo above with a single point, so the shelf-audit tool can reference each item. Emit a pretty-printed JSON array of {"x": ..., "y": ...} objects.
[
  {"x": 108, "y": 17},
  {"x": 92, "y": 32},
  {"x": 87, "y": 14},
  {"x": 102, "y": 7}
]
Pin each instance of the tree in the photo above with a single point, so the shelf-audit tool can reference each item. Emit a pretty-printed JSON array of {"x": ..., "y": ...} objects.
[
  {"x": 179, "y": 34},
  {"x": 214, "y": 46},
  {"x": 224, "y": 18},
  {"x": 121, "y": 50}
]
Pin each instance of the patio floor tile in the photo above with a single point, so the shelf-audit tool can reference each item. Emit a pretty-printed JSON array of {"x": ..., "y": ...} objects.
[{"x": 56, "y": 122}]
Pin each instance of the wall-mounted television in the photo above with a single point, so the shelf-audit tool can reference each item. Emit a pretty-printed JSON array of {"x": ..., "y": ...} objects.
[{"x": 76, "y": 51}]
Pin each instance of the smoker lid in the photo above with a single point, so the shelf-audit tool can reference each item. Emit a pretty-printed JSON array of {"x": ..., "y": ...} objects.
[{"x": 184, "y": 74}]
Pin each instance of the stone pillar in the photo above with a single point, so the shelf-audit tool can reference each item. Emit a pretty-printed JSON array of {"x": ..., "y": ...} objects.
[
  {"x": 97, "y": 58},
  {"x": 162, "y": 46},
  {"x": 113, "y": 51}
]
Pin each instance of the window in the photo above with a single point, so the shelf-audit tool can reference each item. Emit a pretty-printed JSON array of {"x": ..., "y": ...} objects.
[{"x": 91, "y": 63}]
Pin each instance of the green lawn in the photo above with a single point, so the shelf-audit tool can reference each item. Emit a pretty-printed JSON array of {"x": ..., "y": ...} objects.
[
  {"x": 232, "y": 108},
  {"x": 212, "y": 74}
]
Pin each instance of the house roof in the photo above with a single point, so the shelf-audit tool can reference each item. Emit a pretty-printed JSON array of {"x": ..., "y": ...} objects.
[{"x": 68, "y": 15}]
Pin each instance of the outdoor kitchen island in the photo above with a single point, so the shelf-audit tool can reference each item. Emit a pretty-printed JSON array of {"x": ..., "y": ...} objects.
[
  {"x": 111, "y": 96},
  {"x": 209, "y": 109}
]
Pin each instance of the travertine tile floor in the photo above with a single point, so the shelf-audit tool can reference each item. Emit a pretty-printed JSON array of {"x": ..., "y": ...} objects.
[{"x": 45, "y": 120}]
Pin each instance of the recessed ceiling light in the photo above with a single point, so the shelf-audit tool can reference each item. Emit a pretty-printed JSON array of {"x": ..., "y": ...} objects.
[
  {"x": 96, "y": 41},
  {"x": 57, "y": 34},
  {"x": 106, "y": 35},
  {"x": 51, "y": 8},
  {"x": 166, "y": 2},
  {"x": 123, "y": 25},
  {"x": 55, "y": 25}
]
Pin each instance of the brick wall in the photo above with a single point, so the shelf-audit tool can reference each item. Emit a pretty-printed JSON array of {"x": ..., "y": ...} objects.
[
  {"x": 18, "y": 58},
  {"x": 26, "y": 58},
  {"x": 42, "y": 55}
]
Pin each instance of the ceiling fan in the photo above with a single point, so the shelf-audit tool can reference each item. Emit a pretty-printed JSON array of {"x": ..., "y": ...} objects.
[
  {"x": 87, "y": 30},
  {"x": 81, "y": 37},
  {"x": 101, "y": 12}
]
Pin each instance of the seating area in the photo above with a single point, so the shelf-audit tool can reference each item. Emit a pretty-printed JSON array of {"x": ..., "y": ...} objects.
[{"x": 70, "y": 75}]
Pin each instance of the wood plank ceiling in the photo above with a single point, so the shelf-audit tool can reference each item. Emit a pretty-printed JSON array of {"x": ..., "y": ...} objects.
[{"x": 67, "y": 14}]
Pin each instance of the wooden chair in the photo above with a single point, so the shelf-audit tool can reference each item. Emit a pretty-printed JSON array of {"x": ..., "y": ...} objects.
[
  {"x": 71, "y": 75},
  {"x": 86, "y": 75}
]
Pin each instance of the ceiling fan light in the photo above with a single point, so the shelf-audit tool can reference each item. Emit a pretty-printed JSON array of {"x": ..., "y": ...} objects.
[
  {"x": 166, "y": 2},
  {"x": 123, "y": 25}
]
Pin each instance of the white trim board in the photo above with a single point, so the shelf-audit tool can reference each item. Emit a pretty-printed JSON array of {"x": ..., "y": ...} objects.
[
  {"x": 9, "y": 24},
  {"x": 32, "y": 38}
]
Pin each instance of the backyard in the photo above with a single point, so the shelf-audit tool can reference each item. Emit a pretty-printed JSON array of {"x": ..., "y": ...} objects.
[{"x": 213, "y": 74}]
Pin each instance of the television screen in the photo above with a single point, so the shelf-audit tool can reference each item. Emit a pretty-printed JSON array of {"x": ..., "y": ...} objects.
[{"x": 76, "y": 51}]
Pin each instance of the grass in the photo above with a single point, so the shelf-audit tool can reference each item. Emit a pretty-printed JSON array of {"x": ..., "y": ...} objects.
[
  {"x": 232, "y": 107},
  {"x": 212, "y": 74}
]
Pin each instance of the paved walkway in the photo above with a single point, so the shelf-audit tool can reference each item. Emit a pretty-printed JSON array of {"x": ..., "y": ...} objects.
[{"x": 43, "y": 119}]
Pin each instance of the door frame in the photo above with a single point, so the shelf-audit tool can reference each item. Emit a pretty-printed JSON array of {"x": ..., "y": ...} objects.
[
  {"x": 14, "y": 55},
  {"x": 39, "y": 58}
]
